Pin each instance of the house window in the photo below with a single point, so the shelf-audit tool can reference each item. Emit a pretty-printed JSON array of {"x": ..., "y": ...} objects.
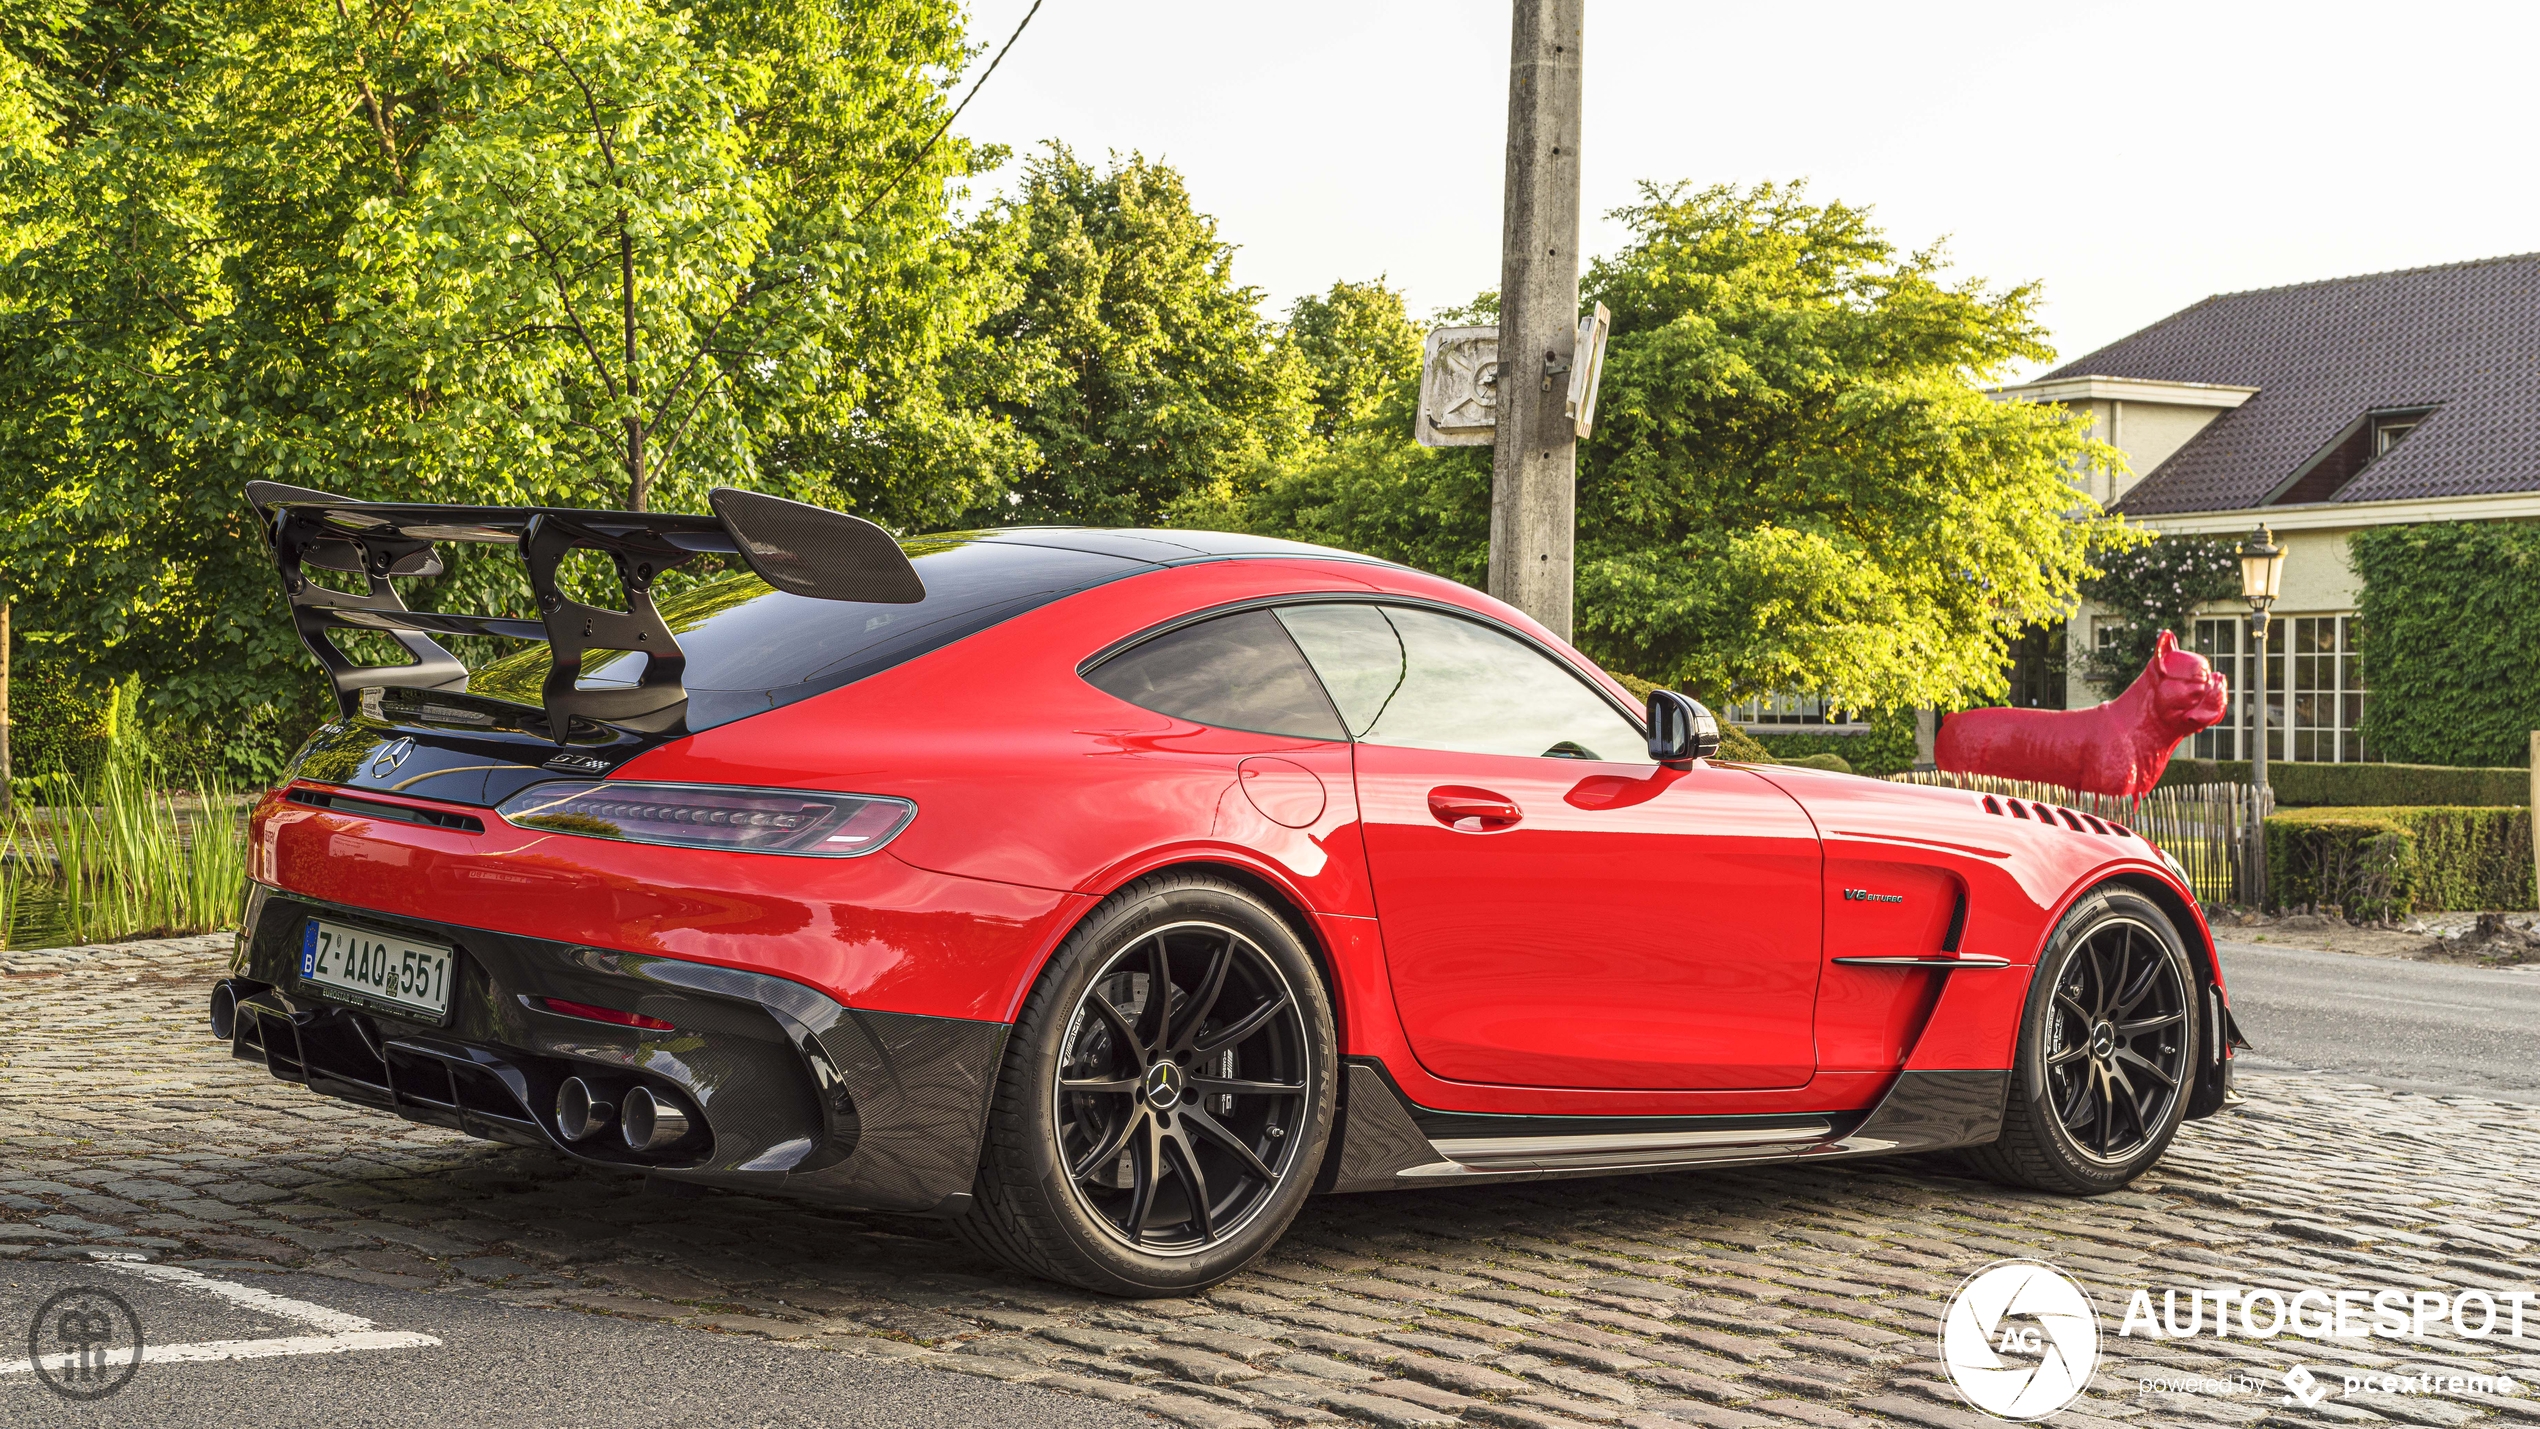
[
  {"x": 2321, "y": 709},
  {"x": 2037, "y": 668},
  {"x": 1796, "y": 712},
  {"x": 2328, "y": 689},
  {"x": 2219, "y": 641}
]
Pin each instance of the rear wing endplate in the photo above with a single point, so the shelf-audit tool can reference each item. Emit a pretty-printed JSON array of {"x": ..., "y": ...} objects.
[{"x": 805, "y": 550}]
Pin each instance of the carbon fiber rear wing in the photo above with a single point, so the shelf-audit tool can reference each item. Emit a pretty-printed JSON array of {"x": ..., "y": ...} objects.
[{"x": 793, "y": 547}]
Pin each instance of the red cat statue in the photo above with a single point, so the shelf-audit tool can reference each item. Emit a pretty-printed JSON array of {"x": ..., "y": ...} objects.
[{"x": 2118, "y": 748}]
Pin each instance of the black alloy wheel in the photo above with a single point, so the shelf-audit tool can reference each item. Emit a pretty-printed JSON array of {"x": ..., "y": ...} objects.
[
  {"x": 2116, "y": 1045},
  {"x": 1174, "y": 1113},
  {"x": 1165, "y": 1097},
  {"x": 2106, "y": 1059}
]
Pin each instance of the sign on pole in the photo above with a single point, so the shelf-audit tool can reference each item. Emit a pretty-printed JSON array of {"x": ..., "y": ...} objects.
[
  {"x": 1459, "y": 387},
  {"x": 1459, "y": 382}
]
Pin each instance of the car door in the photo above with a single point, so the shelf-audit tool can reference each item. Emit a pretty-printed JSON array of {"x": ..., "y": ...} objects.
[{"x": 1557, "y": 910}]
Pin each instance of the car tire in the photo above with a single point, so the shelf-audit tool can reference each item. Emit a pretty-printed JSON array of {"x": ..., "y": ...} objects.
[
  {"x": 1160, "y": 1189},
  {"x": 2112, "y": 1012}
]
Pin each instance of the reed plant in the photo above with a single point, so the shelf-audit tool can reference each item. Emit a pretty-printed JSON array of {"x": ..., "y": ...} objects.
[
  {"x": 128, "y": 859},
  {"x": 10, "y": 876}
]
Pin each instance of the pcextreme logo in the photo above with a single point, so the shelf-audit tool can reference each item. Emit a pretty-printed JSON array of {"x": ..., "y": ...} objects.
[{"x": 2021, "y": 1339}]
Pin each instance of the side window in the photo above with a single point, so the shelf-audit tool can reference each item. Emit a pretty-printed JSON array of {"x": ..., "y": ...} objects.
[
  {"x": 1429, "y": 681},
  {"x": 1355, "y": 650},
  {"x": 1235, "y": 672}
]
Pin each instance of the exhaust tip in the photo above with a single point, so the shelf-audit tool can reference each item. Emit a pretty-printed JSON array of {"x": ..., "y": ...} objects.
[
  {"x": 224, "y": 1010},
  {"x": 581, "y": 1112},
  {"x": 650, "y": 1123}
]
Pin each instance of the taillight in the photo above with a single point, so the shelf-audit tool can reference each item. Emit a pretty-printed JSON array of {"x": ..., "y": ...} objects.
[{"x": 703, "y": 816}]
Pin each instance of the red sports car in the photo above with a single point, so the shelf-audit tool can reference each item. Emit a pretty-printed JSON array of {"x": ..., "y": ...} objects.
[{"x": 1109, "y": 892}]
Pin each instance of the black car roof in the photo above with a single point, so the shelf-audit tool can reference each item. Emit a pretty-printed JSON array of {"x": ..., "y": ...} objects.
[
  {"x": 1159, "y": 546},
  {"x": 750, "y": 649}
]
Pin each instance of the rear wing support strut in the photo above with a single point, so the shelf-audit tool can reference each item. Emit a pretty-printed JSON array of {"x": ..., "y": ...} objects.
[{"x": 802, "y": 549}]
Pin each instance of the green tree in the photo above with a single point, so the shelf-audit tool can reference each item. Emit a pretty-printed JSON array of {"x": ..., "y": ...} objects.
[
  {"x": 1170, "y": 380},
  {"x": 1797, "y": 481},
  {"x": 461, "y": 250},
  {"x": 1356, "y": 344}
]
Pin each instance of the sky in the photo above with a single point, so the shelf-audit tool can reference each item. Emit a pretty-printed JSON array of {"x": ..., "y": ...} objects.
[{"x": 2130, "y": 158}]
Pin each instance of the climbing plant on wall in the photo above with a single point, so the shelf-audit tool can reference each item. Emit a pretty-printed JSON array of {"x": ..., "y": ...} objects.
[{"x": 2451, "y": 614}]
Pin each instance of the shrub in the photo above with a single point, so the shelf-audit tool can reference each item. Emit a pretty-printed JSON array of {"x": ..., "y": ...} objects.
[
  {"x": 1886, "y": 748},
  {"x": 2472, "y": 858},
  {"x": 2345, "y": 859},
  {"x": 1833, "y": 762},
  {"x": 1736, "y": 743},
  {"x": 58, "y": 726},
  {"x": 2365, "y": 785},
  {"x": 2388, "y": 862}
]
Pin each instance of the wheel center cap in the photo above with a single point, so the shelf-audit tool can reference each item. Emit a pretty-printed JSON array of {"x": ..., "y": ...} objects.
[
  {"x": 2103, "y": 1041},
  {"x": 1164, "y": 1084}
]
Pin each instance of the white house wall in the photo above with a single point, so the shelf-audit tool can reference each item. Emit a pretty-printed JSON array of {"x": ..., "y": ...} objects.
[{"x": 2148, "y": 432}]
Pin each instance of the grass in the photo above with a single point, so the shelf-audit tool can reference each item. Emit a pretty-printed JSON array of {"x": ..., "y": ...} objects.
[{"x": 126, "y": 858}]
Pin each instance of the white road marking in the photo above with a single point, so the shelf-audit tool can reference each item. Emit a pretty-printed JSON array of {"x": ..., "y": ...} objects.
[{"x": 344, "y": 1333}]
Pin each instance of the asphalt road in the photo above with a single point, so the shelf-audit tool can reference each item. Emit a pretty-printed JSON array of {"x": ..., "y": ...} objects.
[
  {"x": 2428, "y": 1027},
  {"x": 489, "y": 1365}
]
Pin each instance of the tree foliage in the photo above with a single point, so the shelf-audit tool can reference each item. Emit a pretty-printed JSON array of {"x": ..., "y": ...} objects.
[
  {"x": 1368, "y": 487},
  {"x": 1357, "y": 346},
  {"x": 590, "y": 252},
  {"x": 1797, "y": 481},
  {"x": 2150, "y": 588},
  {"x": 1168, "y": 378}
]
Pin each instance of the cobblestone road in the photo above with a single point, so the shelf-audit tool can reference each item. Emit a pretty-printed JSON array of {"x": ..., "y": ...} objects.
[{"x": 1787, "y": 1296}]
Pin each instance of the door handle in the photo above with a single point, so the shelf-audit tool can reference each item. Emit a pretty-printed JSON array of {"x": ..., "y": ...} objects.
[{"x": 1472, "y": 810}]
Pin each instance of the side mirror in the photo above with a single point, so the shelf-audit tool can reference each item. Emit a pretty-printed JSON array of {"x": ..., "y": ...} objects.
[{"x": 1680, "y": 729}]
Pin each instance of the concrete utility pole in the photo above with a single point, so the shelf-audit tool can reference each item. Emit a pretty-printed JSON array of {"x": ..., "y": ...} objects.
[{"x": 1534, "y": 465}]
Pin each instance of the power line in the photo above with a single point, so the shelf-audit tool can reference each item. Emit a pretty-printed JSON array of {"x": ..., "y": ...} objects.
[{"x": 941, "y": 129}]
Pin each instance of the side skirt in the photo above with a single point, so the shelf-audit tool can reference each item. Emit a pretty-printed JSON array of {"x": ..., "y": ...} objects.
[{"x": 1382, "y": 1145}]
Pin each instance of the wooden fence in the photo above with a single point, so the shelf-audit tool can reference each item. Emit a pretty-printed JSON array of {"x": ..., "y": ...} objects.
[{"x": 2205, "y": 827}]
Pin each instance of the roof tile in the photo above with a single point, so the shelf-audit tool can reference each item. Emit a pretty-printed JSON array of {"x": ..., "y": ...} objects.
[{"x": 2463, "y": 337}]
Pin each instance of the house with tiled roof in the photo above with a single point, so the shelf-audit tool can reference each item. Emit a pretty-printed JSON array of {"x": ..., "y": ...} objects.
[{"x": 2318, "y": 410}]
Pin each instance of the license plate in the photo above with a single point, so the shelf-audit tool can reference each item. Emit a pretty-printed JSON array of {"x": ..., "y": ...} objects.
[{"x": 398, "y": 974}]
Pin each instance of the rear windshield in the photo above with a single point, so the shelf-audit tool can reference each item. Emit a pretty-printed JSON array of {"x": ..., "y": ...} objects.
[{"x": 751, "y": 648}]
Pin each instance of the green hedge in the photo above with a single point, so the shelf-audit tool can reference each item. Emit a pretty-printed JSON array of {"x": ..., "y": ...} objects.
[
  {"x": 1735, "y": 743},
  {"x": 2365, "y": 785},
  {"x": 2451, "y": 614},
  {"x": 2390, "y": 862},
  {"x": 1886, "y": 748}
]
